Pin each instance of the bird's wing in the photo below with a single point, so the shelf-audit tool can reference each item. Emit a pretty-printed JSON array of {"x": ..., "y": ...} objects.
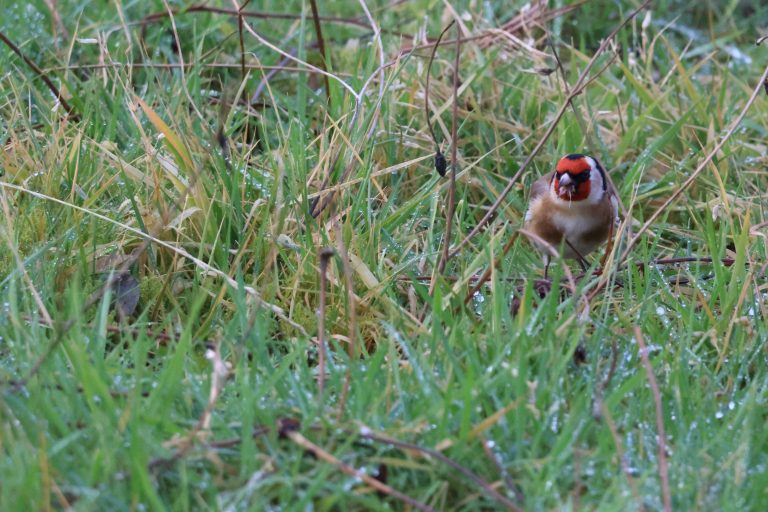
[{"x": 541, "y": 185}]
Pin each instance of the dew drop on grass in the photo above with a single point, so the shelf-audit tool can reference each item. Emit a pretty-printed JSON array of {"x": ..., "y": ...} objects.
[
  {"x": 719, "y": 415},
  {"x": 477, "y": 301},
  {"x": 731, "y": 405}
]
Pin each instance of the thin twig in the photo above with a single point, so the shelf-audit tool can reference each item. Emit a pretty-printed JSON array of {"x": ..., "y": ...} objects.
[
  {"x": 576, "y": 90},
  {"x": 282, "y": 52},
  {"x": 321, "y": 48},
  {"x": 177, "y": 65},
  {"x": 367, "y": 434},
  {"x": 321, "y": 454},
  {"x": 622, "y": 460},
  {"x": 352, "y": 349},
  {"x": 241, "y": 40},
  {"x": 324, "y": 256},
  {"x": 560, "y": 67},
  {"x": 454, "y": 158},
  {"x": 286, "y": 426},
  {"x": 439, "y": 158},
  {"x": 486, "y": 275},
  {"x": 161, "y": 336},
  {"x": 661, "y": 435},
  {"x": 34, "y": 67},
  {"x": 490, "y": 455},
  {"x": 264, "y": 82},
  {"x": 254, "y": 14},
  {"x": 219, "y": 373},
  {"x": 690, "y": 259},
  {"x": 57, "y": 21}
]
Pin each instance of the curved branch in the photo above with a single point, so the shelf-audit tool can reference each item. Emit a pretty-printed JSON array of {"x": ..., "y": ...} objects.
[{"x": 39, "y": 72}]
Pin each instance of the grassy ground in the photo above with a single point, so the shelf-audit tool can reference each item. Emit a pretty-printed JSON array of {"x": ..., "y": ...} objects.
[{"x": 184, "y": 373}]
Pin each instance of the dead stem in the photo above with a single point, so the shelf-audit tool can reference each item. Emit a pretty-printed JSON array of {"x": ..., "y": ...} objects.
[
  {"x": 606, "y": 414},
  {"x": 661, "y": 435},
  {"x": 352, "y": 348},
  {"x": 454, "y": 157},
  {"x": 321, "y": 48},
  {"x": 440, "y": 268},
  {"x": 365, "y": 433},
  {"x": 324, "y": 256},
  {"x": 440, "y": 163},
  {"x": 325, "y": 456}
]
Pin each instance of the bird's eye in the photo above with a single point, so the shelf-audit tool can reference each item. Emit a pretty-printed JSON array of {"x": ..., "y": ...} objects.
[{"x": 580, "y": 177}]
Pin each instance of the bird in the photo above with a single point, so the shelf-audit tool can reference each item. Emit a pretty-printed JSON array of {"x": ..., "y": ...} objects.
[{"x": 573, "y": 206}]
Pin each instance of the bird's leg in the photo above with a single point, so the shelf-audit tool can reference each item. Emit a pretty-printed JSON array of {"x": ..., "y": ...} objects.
[
  {"x": 547, "y": 260},
  {"x": 581, "y": 259}
]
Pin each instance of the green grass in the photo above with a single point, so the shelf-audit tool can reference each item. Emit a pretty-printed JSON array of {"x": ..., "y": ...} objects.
[{"x": 113, "y": 397}]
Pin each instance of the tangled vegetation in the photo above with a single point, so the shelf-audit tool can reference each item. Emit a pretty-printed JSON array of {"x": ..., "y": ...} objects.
[{"x": 232, "y": 278}]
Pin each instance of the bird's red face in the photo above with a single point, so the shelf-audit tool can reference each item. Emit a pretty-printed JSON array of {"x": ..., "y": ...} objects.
[{"x": 572, "y": 178}]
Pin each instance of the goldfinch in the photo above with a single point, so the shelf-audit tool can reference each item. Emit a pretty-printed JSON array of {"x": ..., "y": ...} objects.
[{"x": 572, "y": 206}]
